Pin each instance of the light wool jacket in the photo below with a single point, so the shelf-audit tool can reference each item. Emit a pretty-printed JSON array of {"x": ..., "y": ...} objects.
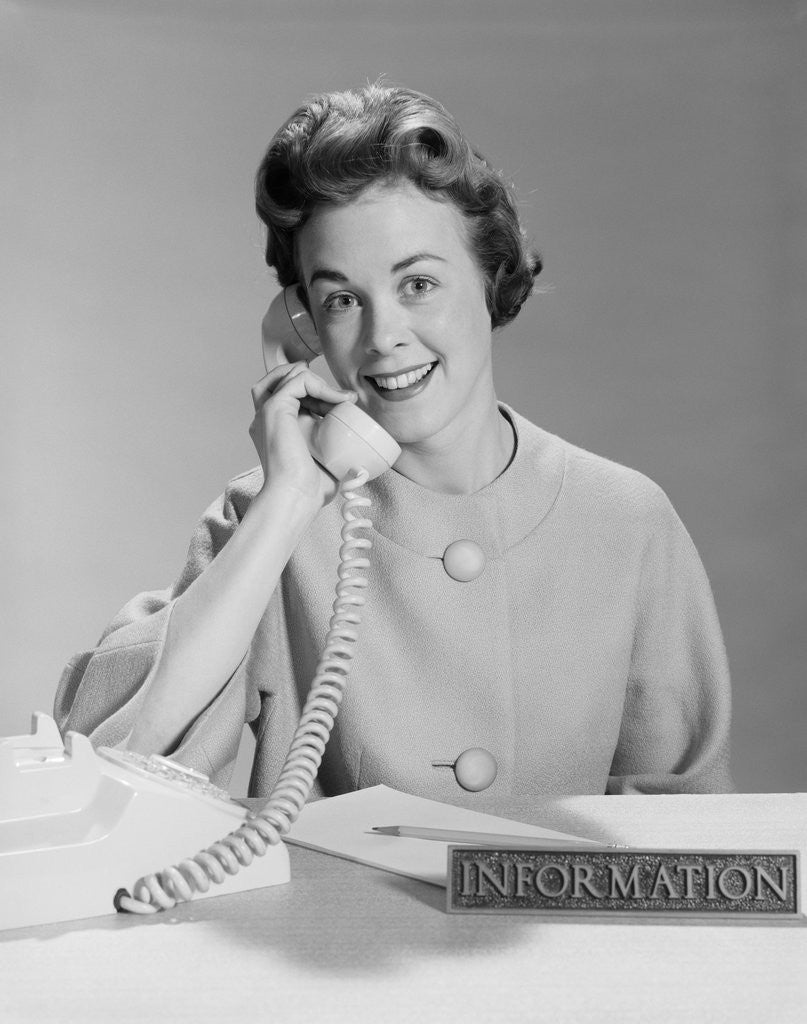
[{"x": 586, "y": 657}]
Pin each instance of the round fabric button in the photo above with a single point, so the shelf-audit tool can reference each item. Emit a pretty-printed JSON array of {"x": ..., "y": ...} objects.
[
  {"x": 475, "y": 769},
  {"x": 464, "y": 560}
]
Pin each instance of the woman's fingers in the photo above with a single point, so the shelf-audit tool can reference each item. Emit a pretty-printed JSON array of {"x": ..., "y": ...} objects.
[
  {"x": 296, "y": 381},
  {"x": 282, "y": 399},
  {"x": 269, "y": 383}
]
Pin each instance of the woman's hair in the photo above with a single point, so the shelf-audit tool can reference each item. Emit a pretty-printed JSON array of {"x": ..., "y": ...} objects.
[{"x": 339, "y": 143}]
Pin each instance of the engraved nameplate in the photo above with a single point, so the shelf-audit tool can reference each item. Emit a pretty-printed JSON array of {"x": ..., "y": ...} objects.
[{"x": 713, "y": 883}]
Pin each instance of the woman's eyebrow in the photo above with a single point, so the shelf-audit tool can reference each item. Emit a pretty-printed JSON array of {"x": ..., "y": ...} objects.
[
  {"x": 403, "y": 264},
  {"x": 326, "y": 274}
]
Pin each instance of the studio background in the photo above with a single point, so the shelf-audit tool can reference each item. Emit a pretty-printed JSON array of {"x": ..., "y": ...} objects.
[{"x": 658, "y": 148}]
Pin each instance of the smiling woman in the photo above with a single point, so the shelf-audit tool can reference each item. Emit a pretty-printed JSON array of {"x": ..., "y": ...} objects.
[{"x": 537, "y": 617}]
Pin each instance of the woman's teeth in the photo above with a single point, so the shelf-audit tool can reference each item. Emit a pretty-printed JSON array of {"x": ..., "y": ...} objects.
[{"x": 403, "y": 380}]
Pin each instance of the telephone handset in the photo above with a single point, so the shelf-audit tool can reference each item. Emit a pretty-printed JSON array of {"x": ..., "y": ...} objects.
[
  {"x": 347, "y": 438},
  {"x": 288, "y": 330},
  {"x": 75, "y": 823}
]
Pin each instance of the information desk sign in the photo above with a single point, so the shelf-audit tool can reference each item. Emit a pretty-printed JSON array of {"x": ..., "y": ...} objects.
[{"x": 614, "y": 881}]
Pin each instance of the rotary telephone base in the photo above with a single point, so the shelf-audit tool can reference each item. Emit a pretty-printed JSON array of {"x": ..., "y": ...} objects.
[{"x": 77, "y": 825}]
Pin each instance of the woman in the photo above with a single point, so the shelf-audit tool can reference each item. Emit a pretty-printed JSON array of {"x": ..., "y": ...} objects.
[{"x": 526, "y": 598}]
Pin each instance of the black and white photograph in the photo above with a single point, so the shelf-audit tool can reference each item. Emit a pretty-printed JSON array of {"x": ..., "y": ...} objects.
[{"x": 403, "y": 447}]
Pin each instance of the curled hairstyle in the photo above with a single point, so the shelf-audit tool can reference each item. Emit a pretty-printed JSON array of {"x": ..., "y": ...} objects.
[{"x": 340, "y": 143}]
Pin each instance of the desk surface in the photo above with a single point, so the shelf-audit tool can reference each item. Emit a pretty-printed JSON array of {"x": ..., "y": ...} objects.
[{"x": 344, "y": 943}]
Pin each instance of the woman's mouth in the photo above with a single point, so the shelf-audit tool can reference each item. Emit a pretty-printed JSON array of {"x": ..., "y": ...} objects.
[{"x": 399, "y": 386}]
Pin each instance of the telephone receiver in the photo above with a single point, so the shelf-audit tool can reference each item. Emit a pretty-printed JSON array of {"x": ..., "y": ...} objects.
[{"x": 346, "y": 439}]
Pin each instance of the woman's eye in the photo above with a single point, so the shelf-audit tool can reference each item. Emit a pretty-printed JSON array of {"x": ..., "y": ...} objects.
[
  {"x": 418, "y": 287},
  {"x": 340, "y": 301}
]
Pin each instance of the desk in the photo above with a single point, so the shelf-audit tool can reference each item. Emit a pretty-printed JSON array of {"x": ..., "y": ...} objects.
[{"x": 347, "y": 943}]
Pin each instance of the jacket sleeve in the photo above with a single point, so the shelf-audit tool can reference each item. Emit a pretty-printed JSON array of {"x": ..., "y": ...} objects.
[
  {"x": 101, "y": 690},
  {"x": 674, "y": 736}
]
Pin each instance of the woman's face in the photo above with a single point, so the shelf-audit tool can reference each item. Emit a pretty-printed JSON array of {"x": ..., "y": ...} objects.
[{"x": 399, "y": 304}]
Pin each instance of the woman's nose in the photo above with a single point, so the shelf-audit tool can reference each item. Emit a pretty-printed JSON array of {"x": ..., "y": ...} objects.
[{"x": 384, "y": 329}]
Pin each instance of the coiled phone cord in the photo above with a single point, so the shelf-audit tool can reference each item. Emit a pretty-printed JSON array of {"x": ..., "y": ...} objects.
[{"x": 178, "y": 883}]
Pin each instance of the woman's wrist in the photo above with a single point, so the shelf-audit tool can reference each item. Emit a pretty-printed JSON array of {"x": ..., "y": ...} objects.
[{"x": 278, "y": 502}]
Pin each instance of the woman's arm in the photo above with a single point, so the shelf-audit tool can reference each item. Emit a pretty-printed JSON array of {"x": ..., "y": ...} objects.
[
  {"x": 170, "y": 653},
  {"x": 212, "y": 623},
  {"x": 675, "y": 725}
]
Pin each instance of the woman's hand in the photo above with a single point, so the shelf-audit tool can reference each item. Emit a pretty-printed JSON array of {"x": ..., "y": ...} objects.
[{"x": 285, "y": 393}]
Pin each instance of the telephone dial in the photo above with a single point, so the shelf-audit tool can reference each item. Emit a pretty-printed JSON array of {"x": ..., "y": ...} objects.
[{"x": 76, "y": 824}]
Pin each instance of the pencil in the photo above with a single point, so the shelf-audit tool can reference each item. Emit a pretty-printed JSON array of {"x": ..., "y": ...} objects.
[{"x": 442, "y": 835}]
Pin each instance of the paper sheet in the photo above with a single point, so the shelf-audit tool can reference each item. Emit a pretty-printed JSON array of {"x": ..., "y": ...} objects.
[{"x": 342, "y": 826}]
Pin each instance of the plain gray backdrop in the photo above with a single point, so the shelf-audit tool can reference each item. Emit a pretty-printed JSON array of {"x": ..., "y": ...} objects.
[{"x": 659, "y": 151}]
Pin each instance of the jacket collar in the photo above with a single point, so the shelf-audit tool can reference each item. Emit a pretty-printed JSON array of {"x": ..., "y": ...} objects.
[{"x": 497, "y": 517}]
